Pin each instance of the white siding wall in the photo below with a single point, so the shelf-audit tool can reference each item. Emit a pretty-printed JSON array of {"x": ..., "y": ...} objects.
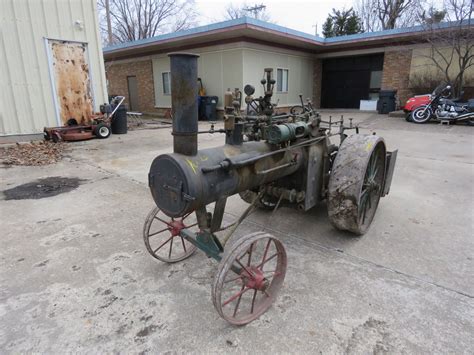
[
  {"x": 235, "y": 65},
  {"x": 300, "y": 72},
  {"x": 26, "y": 104},
  {"x": 219, "y": 68}
]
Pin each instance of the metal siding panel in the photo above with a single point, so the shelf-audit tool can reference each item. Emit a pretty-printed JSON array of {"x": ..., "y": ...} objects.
[
  {"x": 8, "y": 109},
  {"x": 43, "y": 100},
  {"x": 232, "y": 76},
  {"x": 253, "y": 70},
  {"x": 96, "y": 61},
  {"x": 32, "y": 102},
  {"x": 26, "y": 98},
  {"x": 210, "y": 71},
  {"x": 15, "y": 70},
  {"x": 100, "y": 79},
  {"x": 64, "y": 19},
  {"x": 51, "y": 19}
]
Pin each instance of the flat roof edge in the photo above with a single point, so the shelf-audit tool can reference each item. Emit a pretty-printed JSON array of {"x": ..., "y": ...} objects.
[{"x": 255, "y": 24}]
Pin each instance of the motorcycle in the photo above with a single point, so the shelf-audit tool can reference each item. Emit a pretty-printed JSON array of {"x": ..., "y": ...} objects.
[{"x": 443, "y": 109}]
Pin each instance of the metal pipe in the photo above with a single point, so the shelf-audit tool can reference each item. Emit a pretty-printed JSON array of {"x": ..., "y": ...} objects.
[{"x": 184, "y": 104}]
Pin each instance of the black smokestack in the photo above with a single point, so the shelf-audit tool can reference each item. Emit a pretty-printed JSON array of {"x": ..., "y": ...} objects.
[{"x": 184, "y": 89}]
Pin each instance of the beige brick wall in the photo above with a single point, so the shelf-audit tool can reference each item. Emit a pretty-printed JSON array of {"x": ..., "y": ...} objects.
[
  {"x": 396, "y": 73},
  {"x": 117, "y": 74},
  {"x": 317, "y": 81}
]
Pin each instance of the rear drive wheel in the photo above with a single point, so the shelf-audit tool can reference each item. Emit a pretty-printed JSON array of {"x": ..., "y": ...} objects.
[
  {"x": 421, "y": 114},
  {"x": 356, "y": 183}
]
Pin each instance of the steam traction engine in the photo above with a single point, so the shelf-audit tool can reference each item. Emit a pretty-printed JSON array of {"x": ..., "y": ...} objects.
[{"x": 270, "y": 160}]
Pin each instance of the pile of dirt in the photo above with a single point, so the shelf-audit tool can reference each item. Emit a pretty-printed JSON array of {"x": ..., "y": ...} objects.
[{"x": 34, "y": 153}]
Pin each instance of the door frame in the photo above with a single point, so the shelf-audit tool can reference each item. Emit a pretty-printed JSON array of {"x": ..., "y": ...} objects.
[{"x": 49, "y": 56}]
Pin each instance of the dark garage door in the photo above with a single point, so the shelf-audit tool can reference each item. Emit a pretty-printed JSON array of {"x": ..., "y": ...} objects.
[{"x": 347, "y": 80}]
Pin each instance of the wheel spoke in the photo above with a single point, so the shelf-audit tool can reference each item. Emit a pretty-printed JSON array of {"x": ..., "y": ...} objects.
[
  {"x": 186, "y": 216},
  {"x": 364, "y": 194},
  {"x": 163, "y": 221},
  {"x": 266, "y": 249},
  {"x": 260, "y": 266},
  {"x": 250, "y": 254},
  {"x": 375, "y": 173},
  {"x": 238, "y": 301},
  {"x": 161, "y": 231},
  {"x": 171, "y": 248},
  {"x": 374, "y": 162},
  {"x": 235, "y": 296},
  {"x": 233, "y": 279},
  {"x": 253, "y": 300},
  {"x": 190, "y": 226},
  {"x": 184, "y": 244},
  {"x": 161, "y": 246},
  {"x": 245, "y": 268},
  {"x": 365, "y": 207}
]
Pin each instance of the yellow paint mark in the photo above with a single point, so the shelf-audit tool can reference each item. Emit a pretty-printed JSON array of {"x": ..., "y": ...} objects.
[
  {"x": 204, "y": 157},
  {"x": 193, "y": 165},
  {"x": 369, "y": 146}
]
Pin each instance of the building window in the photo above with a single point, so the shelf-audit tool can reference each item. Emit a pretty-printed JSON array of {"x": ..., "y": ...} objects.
[
  {"x": 375, "y": 84},
  {"x": 166, "y": 76},
  {"x": 282, "y": 80}
]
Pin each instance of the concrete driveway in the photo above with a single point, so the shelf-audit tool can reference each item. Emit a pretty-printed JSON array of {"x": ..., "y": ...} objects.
[{"x": 75, "y": 275}]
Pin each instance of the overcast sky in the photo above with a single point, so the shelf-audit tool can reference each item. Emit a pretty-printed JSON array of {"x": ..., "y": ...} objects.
[{"x": 299, "y": 15}]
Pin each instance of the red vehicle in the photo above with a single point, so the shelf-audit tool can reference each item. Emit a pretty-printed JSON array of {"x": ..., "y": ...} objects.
[{"x": 414, "y": 102}]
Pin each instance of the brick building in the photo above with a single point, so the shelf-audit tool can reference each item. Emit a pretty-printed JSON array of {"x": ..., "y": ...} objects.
[{"x": 335, "y": 72}]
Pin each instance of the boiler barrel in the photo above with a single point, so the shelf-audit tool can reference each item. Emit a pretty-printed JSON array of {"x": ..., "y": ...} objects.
[{"x": 180, "y": 183}]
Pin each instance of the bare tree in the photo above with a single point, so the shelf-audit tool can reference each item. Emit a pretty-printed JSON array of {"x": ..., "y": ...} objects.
[
  {"x": 259, "y": 12},
  {"x": 233, "y": 12},
  {"x": 379, "y": 15},
  {"x": 138, "y": 19},
  {"x": 451, "y": 49}
]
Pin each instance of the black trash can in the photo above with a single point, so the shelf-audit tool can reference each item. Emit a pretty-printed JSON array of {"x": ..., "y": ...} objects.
[
  {"x": 119, "y": 120},
  {"x": 387, "y": 101},
  {"x": 208, "y": 108}
]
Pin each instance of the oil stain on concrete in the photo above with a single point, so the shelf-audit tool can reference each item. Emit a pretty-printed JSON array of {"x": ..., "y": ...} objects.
[{"x": 42, "y": 188}]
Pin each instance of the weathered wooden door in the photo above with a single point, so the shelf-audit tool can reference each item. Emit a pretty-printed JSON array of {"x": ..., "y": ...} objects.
[{"x": 71, "y": 76}]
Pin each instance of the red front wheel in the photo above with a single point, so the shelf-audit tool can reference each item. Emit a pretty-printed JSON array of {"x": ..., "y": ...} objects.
[
  {"x": 162, "y": 238},
  {"x": 249, "y": 278}
]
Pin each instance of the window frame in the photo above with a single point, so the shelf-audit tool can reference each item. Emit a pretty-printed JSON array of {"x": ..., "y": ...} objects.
[
  {"x": 163, "y": 82},
  {"x": 287, "y": 80}
]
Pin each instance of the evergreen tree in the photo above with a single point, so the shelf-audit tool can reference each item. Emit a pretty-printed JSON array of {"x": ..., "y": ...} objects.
[
  {"x": 342, "y": 22},
  {"x": 328, "y": 30}
]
